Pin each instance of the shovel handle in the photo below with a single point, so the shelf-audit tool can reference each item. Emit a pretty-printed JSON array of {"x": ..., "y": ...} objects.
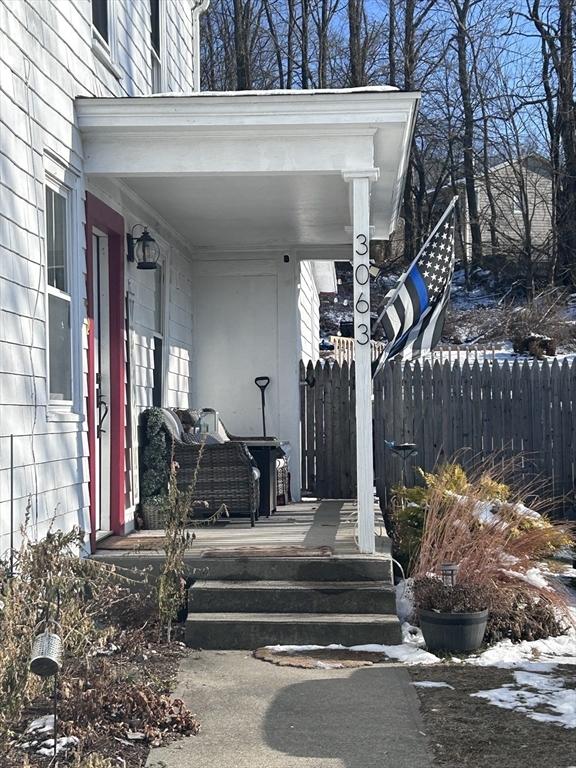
[{"x": 262, "y": 381}]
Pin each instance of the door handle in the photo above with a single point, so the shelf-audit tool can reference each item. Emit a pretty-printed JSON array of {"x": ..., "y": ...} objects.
[{"x": 102, "y": 404}]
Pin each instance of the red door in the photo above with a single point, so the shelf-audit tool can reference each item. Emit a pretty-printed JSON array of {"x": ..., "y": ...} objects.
[{"x": 107, "y": 493}]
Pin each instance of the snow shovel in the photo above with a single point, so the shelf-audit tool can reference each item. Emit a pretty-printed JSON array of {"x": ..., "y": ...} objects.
[{"x": 262, "y": 382}]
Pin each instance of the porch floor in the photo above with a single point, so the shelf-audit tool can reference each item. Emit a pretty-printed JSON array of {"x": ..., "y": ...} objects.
[{"x": 311, "y": 523}]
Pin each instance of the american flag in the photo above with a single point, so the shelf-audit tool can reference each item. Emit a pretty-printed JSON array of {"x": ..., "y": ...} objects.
[{"x": 413, "y": 316}]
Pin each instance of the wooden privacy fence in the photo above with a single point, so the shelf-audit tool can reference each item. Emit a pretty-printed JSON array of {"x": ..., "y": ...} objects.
[{"x": 526, "y": 410}]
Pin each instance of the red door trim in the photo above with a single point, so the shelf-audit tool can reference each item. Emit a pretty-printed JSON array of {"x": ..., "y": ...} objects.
[{"x": 111, "y": 223}]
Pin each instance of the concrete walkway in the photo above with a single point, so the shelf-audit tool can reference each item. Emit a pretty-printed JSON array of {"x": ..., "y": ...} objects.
[{"x": 257, "y": 715}]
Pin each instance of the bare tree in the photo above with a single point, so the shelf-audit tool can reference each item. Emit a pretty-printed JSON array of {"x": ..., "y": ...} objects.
[
  {"x": 555, "y": 26},
  {"x": 357, "y": 61},
  {"x": 485, "y": 100},
  {"x": 462, "y": 10}
]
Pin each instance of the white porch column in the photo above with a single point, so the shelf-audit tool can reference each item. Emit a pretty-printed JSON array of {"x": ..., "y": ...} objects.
[{"x": 360, "y": 204}]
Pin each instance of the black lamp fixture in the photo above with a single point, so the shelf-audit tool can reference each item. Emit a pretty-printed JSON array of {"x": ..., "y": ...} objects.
[{"x": 143, "y": 249}]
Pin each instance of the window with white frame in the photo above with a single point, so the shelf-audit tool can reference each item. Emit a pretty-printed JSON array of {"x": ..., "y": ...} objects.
[
  {"x": 100, "y": 19},
  {"x": 59, "y": 299},
  {"x": 104, "y": 44},
  {"x": 156, "y": 44}
]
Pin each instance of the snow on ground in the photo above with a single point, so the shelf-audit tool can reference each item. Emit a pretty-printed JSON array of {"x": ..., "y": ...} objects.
[
  {"x": 405, "y": 652},
  {"x": 508, "y": 655},
  {"x": 304, "y": 648},
  {"x": 533, "y": 692},
  {"x": 43, "y": 724},
  {"x": 409, "y": 652},
  {"x": 64, "y": 742},
  {"x": 502, "y": 352},
  {"x": 404, "y": 600},
  {"x": 534, "y": 655},
  {"x": 432, "y": 684}
]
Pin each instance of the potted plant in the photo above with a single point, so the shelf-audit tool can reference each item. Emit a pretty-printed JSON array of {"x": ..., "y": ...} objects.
[{"x": 453, "y": 616}]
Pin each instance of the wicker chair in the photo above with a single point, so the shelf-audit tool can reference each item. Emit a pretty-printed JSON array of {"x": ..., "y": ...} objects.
[
  {"x": 282, "y": 475},
  {"x": 226, "y": 472}
]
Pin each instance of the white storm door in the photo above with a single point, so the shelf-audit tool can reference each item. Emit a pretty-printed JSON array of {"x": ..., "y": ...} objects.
[{"x": 102, "y": 380}]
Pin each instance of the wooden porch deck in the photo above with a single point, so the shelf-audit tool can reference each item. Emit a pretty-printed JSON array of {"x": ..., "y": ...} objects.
[{"x": 310, "y": 524}]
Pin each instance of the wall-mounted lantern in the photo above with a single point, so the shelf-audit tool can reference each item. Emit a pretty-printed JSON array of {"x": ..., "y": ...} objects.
[{"x": 143, "y": 249}]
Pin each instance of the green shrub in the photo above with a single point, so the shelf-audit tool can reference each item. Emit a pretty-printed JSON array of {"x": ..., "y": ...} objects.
[{"x": 156, "y": 456}]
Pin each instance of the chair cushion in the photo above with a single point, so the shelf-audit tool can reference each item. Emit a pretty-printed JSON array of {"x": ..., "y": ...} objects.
[
  {"x": 196, "y": 438},
  {"x": 172, "y": 423}
]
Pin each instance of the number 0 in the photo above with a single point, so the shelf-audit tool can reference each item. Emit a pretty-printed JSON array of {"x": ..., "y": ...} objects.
[{"x": 362, "y": 274}]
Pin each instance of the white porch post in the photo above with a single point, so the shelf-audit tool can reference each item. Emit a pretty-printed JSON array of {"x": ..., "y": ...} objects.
[{"x": 360, "y": 204}]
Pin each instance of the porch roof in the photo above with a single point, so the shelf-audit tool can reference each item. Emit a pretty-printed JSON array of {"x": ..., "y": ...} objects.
[{"x": 256, "y": 168}]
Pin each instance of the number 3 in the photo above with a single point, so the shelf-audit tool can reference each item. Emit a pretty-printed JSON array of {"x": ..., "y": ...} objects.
[
  {"x": 363, "y": 245},
  {"x": 363, "y": 329}
]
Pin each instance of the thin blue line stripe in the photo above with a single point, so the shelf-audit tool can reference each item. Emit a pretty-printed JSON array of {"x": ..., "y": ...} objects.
[{"x": 420, "y": 286}]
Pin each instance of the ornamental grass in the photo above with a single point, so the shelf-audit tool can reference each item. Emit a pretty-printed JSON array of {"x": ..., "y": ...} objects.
[{"x": 498, "y": 546}]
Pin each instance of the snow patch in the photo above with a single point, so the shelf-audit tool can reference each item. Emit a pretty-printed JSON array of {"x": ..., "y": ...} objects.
[
  {"x": 507, "y": 655},
  {"x": 533, "y": 576},
  {"x": 432, "y": 684},
  {"x": 404, "y": 600},
  {"x": 303, "y": 648},
  {"x": 531, "y": 693},
  {"x": 43, "y": 724},
  {"x": 409, "y": 652},
  {"x": 47, "y": 747}
]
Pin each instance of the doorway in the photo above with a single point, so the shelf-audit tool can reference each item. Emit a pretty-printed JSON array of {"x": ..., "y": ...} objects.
[
  {"x": 101, "y": 276},
  {"x": 106, "y": 408}
]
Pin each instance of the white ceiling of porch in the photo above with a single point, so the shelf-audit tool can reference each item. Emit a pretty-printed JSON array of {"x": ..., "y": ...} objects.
[
  {"x": 255, "y": 169},
  {"x": 231, "y": 210}
]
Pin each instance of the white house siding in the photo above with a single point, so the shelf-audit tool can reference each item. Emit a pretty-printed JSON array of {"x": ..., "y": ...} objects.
[
  {"x": 507, "y": 182},
  {"x": 47, "y": 58},
  {"x": 309, "y": 313},
  {"x": 509, "y": 222}
]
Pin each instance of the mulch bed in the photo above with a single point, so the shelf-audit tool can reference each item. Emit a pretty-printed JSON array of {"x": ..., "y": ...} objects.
[
  {"x": 155, "y": 664},
  {"x": 467, "y": 732}
]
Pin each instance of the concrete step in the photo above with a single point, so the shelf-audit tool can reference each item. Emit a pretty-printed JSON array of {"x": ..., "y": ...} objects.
[
  {"x": 345, "y": 568},
  {"x": 292, "y": 597},
  {"x": 338, "y": 568},
  {"x": 235, "y": 631}
]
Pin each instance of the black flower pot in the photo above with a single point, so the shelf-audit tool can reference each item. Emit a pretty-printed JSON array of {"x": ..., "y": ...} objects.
[{"x": 458, "y": 632}]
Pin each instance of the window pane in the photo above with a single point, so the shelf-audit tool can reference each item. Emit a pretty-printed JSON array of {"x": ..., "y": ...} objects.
[
  {"x": 158, "y": 300},
  {"x": 60, "y": 367},
  {"x": 100, "y": 17},
  {"x": 56, "y": 240},
  {"x": 155, "y": 25}
]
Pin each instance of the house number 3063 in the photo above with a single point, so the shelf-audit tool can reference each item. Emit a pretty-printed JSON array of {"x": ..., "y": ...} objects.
[{"x": 362, "y": 278}]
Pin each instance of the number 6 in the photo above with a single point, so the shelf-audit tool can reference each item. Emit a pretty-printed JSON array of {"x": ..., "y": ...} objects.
[{"x": 362, "y": 305}]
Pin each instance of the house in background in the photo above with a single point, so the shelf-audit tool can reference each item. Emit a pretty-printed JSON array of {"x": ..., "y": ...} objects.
[
  {"x": 250, "y": 198},
  {"x": 519, "y": 225}
]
